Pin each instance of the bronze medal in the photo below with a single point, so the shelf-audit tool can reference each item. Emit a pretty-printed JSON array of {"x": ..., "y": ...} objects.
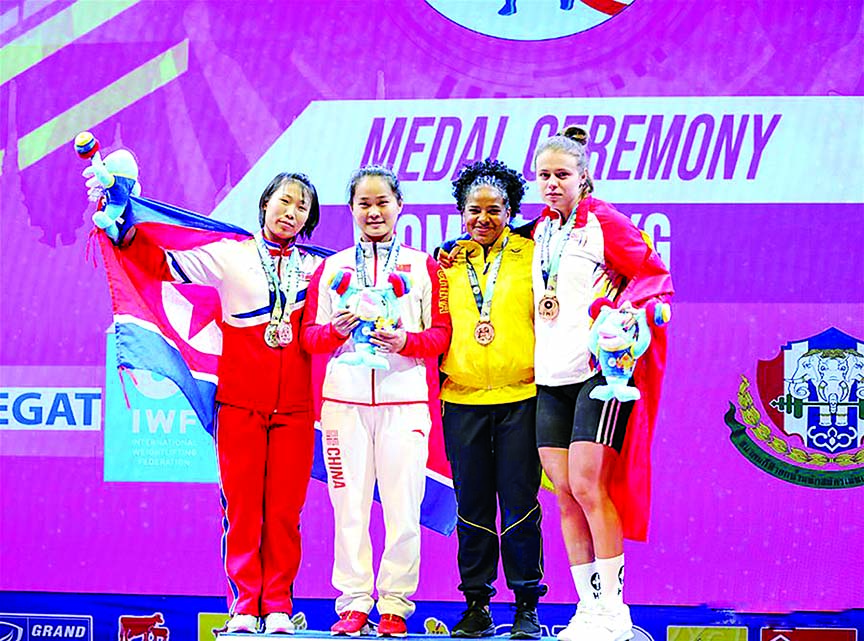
[
  {"x": 548, "y": 307},
  {"x": 284, "y": 333},
  {"x": 484, "y": 332},
  {"x": 270, "y": 335}
]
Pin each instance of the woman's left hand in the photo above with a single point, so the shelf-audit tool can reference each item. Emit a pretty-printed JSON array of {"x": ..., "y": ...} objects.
[{"x": 389, "y": 342}]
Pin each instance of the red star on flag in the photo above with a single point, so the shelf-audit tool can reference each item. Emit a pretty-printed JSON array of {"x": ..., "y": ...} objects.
[{"x": 205, "y": 306}]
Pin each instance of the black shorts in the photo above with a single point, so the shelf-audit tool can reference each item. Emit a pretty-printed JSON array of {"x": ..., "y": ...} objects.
[{"x": 566, "y": 414}]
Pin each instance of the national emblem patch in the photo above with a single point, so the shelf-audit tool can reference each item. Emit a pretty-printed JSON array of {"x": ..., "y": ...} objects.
[{"x": 806, "y": 424}]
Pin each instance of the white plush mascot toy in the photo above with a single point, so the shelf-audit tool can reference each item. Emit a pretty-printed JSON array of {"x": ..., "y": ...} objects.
[{"x": 376, "y": 307}]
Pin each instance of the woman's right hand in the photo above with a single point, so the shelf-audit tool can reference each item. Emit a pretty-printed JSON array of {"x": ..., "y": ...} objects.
[
  {"x": 447, "y": 260},
  {"x": 344, "y": 322}
]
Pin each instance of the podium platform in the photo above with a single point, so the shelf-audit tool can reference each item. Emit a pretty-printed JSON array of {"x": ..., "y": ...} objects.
[
  {"x": 423, "y": 628},
  {"x": 312, "y": 635}
]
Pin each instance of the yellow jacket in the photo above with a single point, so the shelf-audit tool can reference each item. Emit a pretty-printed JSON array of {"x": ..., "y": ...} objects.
[{"x": 503, "y": 371}]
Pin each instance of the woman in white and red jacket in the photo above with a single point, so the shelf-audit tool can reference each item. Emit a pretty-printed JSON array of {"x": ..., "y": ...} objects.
[
  {"x": 264, "y": 426},
  {"x": 596, "y": 453},
  {"x": 376, "y": 422}
]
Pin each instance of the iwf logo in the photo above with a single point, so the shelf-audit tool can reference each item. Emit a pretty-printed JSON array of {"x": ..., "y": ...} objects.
[
  {"x": 806, "y": 424},
  {"x": 529, "y": 19}
]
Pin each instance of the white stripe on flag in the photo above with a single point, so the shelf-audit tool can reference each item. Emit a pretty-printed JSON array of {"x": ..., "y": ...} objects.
[{"x": 150, "y": 327}]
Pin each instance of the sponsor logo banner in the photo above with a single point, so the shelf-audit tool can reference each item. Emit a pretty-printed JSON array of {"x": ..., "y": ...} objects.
[
  {"x": 142, "y": 628},
  {"x": 641, "y": 635},
  {"x": 806, "y": 422},
  {"x": 809, "y": 634},
  {"x": 34, "y": 627},
  {"x": 41, "y": 409},
  {"x": 434, "y": 626},
  {"x": 705, "y": 633},
  {"x": 209, "y": 623}
]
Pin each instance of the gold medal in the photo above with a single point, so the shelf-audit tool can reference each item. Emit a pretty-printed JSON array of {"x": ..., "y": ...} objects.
[
  {"x": 271, "y": 335},
  {"x": 484, "y": 332},
  {"x": 548, "y": 307}
]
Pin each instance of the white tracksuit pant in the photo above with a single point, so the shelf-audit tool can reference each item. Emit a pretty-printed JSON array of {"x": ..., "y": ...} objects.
[{"x": 361, "y": 444}]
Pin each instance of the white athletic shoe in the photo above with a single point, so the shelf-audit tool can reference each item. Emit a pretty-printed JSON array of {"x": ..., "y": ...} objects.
[
  {"x": 278, "y": 623},
  {"x": 242, "y": 623},
  {"x": 615, "y": 621},
  {"x": 582, "y": 626}
]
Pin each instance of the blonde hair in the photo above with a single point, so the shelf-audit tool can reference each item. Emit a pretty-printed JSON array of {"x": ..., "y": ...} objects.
[{"x": 572, "y": 140}]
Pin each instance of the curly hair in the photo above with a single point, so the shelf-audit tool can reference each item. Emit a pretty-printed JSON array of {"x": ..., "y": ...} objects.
[{"x": 495, "y": 174}]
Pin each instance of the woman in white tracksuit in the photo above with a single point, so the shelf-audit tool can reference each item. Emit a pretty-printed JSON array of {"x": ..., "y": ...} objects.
[{"x": 376, "y": 422}]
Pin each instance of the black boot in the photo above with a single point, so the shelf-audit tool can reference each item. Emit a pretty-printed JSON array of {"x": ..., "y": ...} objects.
[
  {"x": 525, "y": 622},
  {"x": 476, "y": 622}
]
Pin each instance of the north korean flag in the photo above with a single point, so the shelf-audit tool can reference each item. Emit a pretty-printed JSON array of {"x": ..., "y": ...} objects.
[
  {"x": 168, "y": 328},
  {"x": 173, "y": 329}
]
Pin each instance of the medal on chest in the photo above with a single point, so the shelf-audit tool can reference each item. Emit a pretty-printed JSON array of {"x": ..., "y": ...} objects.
[
  {"x": 550, "y": 262},
  {"x": 548, "y": 307},
  {"x": 283, "y": 291},
  {"x": 270, "y": 335},
  {"x": 484, "y": 331},
  {"x": 279, "y": 334}
]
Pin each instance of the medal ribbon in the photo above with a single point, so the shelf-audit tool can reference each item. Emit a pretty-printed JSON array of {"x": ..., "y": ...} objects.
[
  {"x": 550, "y": 260},
  {"x": 484, "y": 300},
  {"x": 286, "y": 287},
  {"x": 389, "y": 262}
]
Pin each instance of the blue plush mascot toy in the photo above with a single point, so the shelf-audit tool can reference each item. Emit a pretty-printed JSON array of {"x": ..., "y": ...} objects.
[
  {"x": 110, "y": 182},
  {"x": 617, "y": 343}
]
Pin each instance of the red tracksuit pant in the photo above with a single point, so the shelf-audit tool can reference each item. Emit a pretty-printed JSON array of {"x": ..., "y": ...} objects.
[{"x": 265, "y": 461}]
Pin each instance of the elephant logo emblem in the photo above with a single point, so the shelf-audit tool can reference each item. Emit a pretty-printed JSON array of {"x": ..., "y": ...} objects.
[
  {"x": 830, "y": 381},
  {"x": 806, "y": 422}
]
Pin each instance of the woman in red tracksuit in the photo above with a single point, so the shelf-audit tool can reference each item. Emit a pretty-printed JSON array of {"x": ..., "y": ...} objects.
[
  {"x": 264, "y": 422},
  {"x": 376, "y": 422}
]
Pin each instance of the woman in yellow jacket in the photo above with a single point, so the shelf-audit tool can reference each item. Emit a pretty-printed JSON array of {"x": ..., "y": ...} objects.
[{"x": 490, "y": 400}]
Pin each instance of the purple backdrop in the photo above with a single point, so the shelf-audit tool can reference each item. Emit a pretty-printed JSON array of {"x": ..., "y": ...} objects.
[{"x": 203, "y": 91}]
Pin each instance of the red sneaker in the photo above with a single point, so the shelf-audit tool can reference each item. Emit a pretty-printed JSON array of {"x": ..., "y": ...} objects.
[
  {"x": 351, "y": 623},
  {"x": 392, "y": 625}
]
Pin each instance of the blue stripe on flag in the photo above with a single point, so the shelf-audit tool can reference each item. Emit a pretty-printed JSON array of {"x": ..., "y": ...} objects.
[
  {"x": 139, "y": 348},
  {"x": 144, "y": 210},
  {"x": 175, "y": 266}
]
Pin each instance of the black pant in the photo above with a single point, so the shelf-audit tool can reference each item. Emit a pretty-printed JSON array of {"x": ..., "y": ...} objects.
[{"x": 492, "y": 451}]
